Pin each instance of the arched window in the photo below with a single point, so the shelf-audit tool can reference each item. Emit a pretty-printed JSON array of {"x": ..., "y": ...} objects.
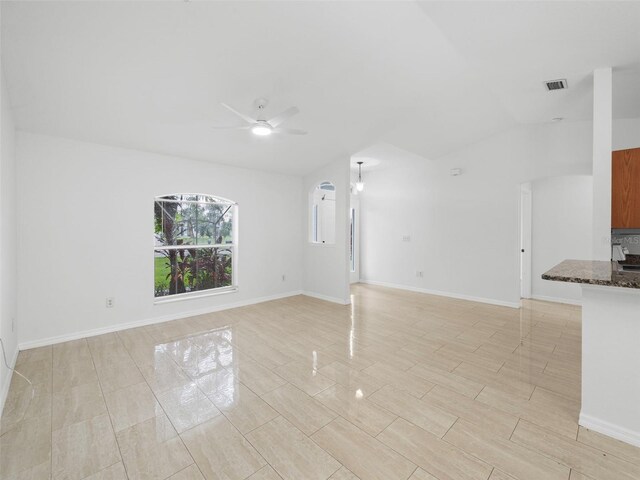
[{"x": 195, "y": 245}]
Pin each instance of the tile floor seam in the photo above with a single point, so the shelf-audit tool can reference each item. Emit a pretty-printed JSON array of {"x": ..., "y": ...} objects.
[
  {"x": 386, "y": 445},
  {"x": 103, "y": 469},
  {"x": 539, "y": 452},
  {"x": 165, "y": 414},
  {"x": 617, "y": 457},
  {"x": 473, "y": 455},
  {"x": 113, "y": 431},
  {"x": 312, "y": 397},
  {"x": 448, "y": 429},
  {"x": 561, "y": 462},
  {"x": 185, "y": 468},
  {"x": 514, "y": 428},
  {"x": 403, "y": 455},
  {"x": 272, "y": 466},
  {"x": 252, "y": 445}
]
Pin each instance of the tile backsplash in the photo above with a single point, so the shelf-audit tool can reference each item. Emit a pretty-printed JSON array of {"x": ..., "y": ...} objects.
[{"x": 632, "y": 242}]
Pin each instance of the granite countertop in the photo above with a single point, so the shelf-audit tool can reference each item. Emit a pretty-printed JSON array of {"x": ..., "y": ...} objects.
[{"x": 593, "y": 273}]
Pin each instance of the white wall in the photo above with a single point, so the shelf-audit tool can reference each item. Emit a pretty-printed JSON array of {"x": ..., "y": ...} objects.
[
  {"x": 326, "y": 269},
  {"x": 610, "y": 359},
  {"x": 464, "y": 229},
  {"x": 626, "y": 133},
  {"x": 602, "y": 147},
  {"x": 86, "y": 233},
  {"x": 562, "y": 220},
  {"x": 8, "y": 268}
]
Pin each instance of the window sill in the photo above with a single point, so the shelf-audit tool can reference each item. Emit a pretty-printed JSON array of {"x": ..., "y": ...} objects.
[{"x": 192, "y": 295}]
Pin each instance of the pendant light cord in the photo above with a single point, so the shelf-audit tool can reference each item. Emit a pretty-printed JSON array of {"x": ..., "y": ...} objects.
[{"x": 33, "y": 390}]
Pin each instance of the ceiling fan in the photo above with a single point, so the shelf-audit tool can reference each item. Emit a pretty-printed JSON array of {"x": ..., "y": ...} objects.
[{"x": 262, "y": 127}]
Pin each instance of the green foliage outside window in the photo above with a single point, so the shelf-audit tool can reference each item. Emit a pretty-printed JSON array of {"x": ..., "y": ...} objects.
[{"x": 193, "y": 244}]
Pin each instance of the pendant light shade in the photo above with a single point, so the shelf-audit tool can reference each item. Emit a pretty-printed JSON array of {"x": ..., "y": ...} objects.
[{"x": 360, "y": 183}]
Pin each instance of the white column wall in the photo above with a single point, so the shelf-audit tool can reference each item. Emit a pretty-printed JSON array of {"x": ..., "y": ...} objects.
[
  {"x": 611, "y": 362},
  {"x": 8, "y": 242},
  {"x": 602, "y": 147},
  {"x": 326, "y": 266}
]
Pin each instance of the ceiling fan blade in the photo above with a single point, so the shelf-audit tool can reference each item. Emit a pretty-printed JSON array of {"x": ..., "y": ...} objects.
[
  {"x": 291, "y": 131},
  {"x": 247, "y": 127},
  {"x": 278, "y": 119},
  {"x": 246, "y": 118}
]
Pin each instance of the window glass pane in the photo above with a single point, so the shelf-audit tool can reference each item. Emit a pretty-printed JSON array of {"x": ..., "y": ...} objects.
[
  {"x": 213, "y": 268},
  {"x": 179, "y": 222},
  {"x": 323, "y": 213},
  {"x": 164, "y": 215},
  {"x": 175, "y": 222},
  {"x": 352, "y": 235},
  {"x": 187, "y": 270},
  {"x": 215, "y": 224}
]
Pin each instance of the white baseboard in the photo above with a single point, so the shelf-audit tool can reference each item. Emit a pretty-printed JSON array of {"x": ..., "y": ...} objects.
[
  {"x": 150, "y": 321},
  {"x": 458, "y": 296},
  {"x": 609, "y": 429},
  {"x": 5, "y": 387},
  {"x": 568, "y": 301},
  {"x": 327, "y": 298}
]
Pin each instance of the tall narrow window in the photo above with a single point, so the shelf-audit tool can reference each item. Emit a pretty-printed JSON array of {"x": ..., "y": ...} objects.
[
  {"x": 323, "y": 213},
  {"x": 195, "y": 245},
  {"x": 314, "y": 224},
  {"x": 352, "y": 240}
]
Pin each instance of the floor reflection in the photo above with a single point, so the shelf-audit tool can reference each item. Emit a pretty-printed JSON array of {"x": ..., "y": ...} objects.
[{"x": 209, "y": 360}]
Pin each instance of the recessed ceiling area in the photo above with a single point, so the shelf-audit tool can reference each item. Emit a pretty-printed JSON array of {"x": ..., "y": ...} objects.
[{"x": 425, "y": 77}]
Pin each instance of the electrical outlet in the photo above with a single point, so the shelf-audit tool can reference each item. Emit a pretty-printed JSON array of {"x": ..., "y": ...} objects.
[
  {"x": 110, "y": 302},
  {"x": 406, "y": 238},
  {"x": 419, "y": 273}
]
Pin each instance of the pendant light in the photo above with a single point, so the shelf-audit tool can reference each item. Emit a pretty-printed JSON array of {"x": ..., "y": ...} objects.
[{"x": 360, "y": 183}]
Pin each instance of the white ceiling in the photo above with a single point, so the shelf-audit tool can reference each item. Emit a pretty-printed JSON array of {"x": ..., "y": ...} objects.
[
  {"x": 514, "y": 47},
  {"x": 426, "y": 77}
]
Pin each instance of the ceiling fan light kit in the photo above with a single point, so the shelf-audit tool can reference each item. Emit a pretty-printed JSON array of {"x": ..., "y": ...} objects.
[{"x": 261, "y": 127}]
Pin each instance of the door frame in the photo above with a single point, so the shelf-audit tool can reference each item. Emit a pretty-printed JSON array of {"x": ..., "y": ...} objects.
[
  {"x": 354, "y": 276},
  {"x": 526, "y": 219}
]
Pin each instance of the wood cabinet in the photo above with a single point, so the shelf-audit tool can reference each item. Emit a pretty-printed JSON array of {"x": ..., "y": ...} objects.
[{"x": 625, "y": 188}]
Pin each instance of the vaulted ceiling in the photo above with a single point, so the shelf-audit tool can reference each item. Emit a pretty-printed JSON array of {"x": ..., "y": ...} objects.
[{"x": 426, "y": 77}]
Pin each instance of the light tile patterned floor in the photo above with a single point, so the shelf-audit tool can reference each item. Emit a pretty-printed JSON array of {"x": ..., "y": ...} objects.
[{"x": 399, "y": 385}]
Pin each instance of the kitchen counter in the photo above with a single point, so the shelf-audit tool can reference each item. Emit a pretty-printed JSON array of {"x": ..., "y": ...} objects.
[
  {"x": 610, "y": 340},
  {"x": 593, "y": 273}
]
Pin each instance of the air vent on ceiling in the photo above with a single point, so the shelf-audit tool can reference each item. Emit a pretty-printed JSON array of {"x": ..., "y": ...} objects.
[{"x": 556, "y": 84}]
